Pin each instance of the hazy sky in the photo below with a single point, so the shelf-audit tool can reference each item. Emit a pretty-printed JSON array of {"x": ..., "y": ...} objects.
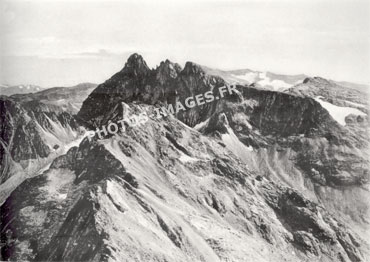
[{"x": 54, "y": 43}]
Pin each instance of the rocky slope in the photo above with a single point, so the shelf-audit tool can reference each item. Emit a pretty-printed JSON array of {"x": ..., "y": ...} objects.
[
  {"x": 258, "y": 175},
  {"x": 166, "y": 84},
  {"x": 35, "y": 128},
  {"x": 199, "y": 201}
]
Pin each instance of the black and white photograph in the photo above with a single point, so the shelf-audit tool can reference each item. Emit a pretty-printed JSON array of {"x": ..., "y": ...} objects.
[{"x": 185, "y": 130}]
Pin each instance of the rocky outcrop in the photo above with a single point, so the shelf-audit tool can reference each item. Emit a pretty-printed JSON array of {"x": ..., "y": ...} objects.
[
  {"x": 79, "y": 160},
  {"x": 31, "y": 130},
  {"x": 166, "y": 85},
  {"x": 314, "y": 230},
  {"x": 36, "y": 127}
]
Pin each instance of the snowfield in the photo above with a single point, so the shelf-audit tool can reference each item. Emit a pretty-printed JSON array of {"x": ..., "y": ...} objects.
[
  {"x": 249, "y": 77},
  {"x": 339, "y": 113},
  {"x": 263, "y": 80}
]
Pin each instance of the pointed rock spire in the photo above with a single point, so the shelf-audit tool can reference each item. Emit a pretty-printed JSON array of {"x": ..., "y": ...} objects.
[
  {"x": 193, "y": 68},
  {"x": 167, "y": 70},
  {"x": 136, "y": 64}
]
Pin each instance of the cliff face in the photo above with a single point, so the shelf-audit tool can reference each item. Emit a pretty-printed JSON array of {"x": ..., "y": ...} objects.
[
  {"x": 35, "y": 128},
  {"x": 166, "y": 84},
  {"x": 22, "y": 135},
  {"x": 257, "y": 175},
  {"x": 296, "y": 141}
]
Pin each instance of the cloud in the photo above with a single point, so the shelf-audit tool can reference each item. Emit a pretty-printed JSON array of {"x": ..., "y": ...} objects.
[{"x": 101, "y": 53}]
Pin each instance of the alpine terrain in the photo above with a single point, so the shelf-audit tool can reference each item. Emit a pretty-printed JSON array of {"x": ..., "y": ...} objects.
[{"x": 277, "y": 170}]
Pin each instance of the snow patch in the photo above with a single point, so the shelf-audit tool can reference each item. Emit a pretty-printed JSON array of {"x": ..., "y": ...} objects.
[
  {"x": 115, "y": 192},
  {"x": 263, "y": 80},
  {"x": 275, "y": 84},
  {"x": 233, "y": 143},
  {"x": 201, "y": 125},
  {"x": 186, "y": 158},
  {"x": 250, "y": 77},
  {"x": 339, "y": 113},
  {"x": 57, "y": 184},
  {"x": 62, "y": 196},
  {"x": 242, "y": 119}
]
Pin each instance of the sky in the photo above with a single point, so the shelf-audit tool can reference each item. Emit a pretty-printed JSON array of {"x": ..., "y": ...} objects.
[{"x": 63, "y": 43}]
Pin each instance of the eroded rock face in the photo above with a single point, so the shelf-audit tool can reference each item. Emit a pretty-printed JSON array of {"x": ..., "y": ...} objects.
[
  {"x": 19, "y": 135},
  {"x": 79, "y": 160},
  {"x": 30, "y": 130},
  {"x": 165, "y": 85},
  {"x": 307, "y": 149},
  {"x": 36, "y": 128}
]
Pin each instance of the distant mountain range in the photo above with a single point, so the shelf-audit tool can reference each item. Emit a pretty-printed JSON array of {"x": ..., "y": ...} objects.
[
  {"x": 271, "y": 81},
  {"x": 18, "y": 89},
  {"x": 9, "y": 90},
  {"x": 67, "y": 98},
  {"x": 262, "y": 79}
]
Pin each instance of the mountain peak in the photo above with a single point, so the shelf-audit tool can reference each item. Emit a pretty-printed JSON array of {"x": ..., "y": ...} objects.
[
  {"x": 136, "y": 64},
  {"x": 168, "y": 64},
  {"x": 316, "y": 80},
  {"x": 134, "y": 58},
  {"x": 167, "y": 70},
  {"x": 193, "y": 68}
]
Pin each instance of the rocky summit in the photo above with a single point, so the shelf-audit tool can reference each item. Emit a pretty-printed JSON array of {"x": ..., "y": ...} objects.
[{"x": 258, "y": 175}]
